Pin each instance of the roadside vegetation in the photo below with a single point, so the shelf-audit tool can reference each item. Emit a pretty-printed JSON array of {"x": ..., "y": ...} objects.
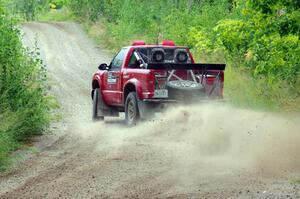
[
  {"x": 259, "y": 40},
  {"x": 38, "y": 10},
  {"x": 24, "y": 102}
]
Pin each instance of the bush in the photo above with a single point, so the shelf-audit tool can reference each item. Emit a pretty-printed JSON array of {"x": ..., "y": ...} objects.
[
  {"x": 57, "y": 4},
  {"x": 26, "y": 9},
  {"x": 24, "y": 102},
  {"x": 258, "y": 38},
  {"x": 266, "y": 40},
  {"x": 87, "y": 9}
]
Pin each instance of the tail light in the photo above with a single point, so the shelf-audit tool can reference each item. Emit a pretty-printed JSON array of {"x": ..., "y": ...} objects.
[{"x": 160, "y": 80}]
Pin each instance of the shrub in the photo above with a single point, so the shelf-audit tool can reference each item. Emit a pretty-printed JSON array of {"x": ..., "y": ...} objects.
[
  {"x": 258, "y": 38},
  {"x": 24, "y": 102},
  {"x": 266, "y": 39},
  {"x": 26, "y": 9}
]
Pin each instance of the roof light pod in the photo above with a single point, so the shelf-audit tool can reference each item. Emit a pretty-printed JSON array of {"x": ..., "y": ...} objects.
[
  {"x": 138, "y": 43},
  {"x": 168, "y": 43}
]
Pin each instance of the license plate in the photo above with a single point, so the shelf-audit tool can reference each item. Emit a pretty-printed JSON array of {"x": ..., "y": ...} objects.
[{"x": 163, "y": 93}]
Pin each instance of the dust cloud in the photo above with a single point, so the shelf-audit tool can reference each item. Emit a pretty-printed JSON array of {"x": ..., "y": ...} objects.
[
  {"x": 222, "y": 138},
  {"x": 216, "y": 137}
]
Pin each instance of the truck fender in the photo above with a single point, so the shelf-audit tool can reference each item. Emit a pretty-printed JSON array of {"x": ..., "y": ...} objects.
[
  {"x": 96, "y": 83},
  {"x": 144, "y": 108},
  {"x": 137, "y": 86}
]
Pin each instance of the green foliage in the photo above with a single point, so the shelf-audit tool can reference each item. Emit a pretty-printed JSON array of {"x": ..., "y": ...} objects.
[
  {"x": 87, "y": 9},
  {"x": 31, "y": 10},
  {"x": 7, "y": 141},
  {"x": 24, "y": 102},
  {"x": 26, "y": 9},
  {"x": 244, "y": 90},
  {"x": 258, "y": 38},
  {"x": 266, "y": 40},
  {"x": 57, "y": 4},
  {"x": 297, "y": 181},
  {"x": 58, "y": 15}
]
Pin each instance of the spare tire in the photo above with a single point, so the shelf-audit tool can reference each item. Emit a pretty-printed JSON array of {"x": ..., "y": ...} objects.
[{"x": 185, "y": 90}]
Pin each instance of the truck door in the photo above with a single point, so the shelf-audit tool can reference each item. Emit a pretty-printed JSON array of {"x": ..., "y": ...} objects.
[{"x": 113, "y": 82}]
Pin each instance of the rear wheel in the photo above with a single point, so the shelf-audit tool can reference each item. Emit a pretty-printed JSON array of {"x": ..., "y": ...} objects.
[
  {"x": 131, "y": 109},
  {"x": 95, "y": 116}
]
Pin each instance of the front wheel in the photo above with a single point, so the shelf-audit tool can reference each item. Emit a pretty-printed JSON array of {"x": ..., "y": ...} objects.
[
  {"x": 131, "y": 109},
  {"x": 95, "y": 116}
]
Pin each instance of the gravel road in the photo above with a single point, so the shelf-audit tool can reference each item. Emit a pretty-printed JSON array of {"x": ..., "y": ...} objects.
[{"x": 200, "y": 151}]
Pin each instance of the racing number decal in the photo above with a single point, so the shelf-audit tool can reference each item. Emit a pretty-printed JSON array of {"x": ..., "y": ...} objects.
[{"x": 111, "y": 79}]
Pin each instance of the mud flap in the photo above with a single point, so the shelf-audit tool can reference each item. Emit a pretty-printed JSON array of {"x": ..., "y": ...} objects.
[
  {"x": 147, "y": 109},
  {"x": 143, "y": 110},
  {"x": 104, "y": 110}
]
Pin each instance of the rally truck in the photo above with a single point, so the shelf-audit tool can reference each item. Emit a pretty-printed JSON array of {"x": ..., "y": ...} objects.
[{"x": 144, "y": 78}]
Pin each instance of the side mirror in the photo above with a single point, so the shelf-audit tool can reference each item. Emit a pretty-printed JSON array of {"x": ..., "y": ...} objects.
[{"x": 103, "y": 67}]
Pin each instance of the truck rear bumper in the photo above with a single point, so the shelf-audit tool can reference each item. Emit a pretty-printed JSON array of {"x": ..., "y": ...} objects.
[
  {"x": 201, "y": 100},
  {"x": 160, "y": 100}
]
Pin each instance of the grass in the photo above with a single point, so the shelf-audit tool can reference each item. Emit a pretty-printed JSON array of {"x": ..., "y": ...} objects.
[
  {"x": 57, "y": 15},
  {"x": 297, "y": 181},
  {"x": 99, "y": 32},
  {"x": 241, "y": 89},
  {"x": 25, "y": 103},
  {"x": 7, "y": 145},
  {"x": 244, "y": 91},
  {"x": 27, "y": 110},
  {"x": 115, "y": 25},
  {"x": 7, "y": 141}
]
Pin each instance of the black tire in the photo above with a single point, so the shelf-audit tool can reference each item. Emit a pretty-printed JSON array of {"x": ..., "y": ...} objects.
[
  {"x": 132, "y": 115},
  {"x": 185, "y": 93},
  {"x": 95, "y": 116}
]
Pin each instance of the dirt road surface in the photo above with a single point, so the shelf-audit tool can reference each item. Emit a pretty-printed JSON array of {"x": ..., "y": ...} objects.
[{"x": 200, "y": 151}]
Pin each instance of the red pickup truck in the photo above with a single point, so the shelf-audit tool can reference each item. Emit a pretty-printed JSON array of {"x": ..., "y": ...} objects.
[{"x": 142, "y": 78}]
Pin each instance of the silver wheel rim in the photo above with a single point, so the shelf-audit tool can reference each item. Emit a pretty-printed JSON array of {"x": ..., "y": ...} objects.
[{"x": 131, "y": 110}]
